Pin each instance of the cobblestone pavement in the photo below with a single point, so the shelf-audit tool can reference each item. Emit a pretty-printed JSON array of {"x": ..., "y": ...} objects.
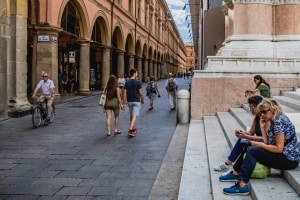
[{"x": 73, "y": 159}]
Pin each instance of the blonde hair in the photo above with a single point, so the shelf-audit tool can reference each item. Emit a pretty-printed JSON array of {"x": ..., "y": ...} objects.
[{"x": 271, "y": 104}]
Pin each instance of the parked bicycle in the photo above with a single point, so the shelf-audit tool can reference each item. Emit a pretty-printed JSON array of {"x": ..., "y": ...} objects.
[{"x": 39, "y": 113}]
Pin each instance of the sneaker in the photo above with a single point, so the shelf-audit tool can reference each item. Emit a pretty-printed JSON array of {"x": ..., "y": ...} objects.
[
  {"x": 135, "y": 130},
  {"x": 228, "y": 172},
  {"x": 236, "y": 190},
  {"x": 222, "y": 167},
  {"x": 131, "y": 133},
  {"x": 151, "y": 108},
  {"x": 47, "y": 119},
  {"x": 228, "y": 177}
]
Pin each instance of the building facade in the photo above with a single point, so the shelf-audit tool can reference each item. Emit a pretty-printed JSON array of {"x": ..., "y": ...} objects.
[
  {"x": 83, "y": 41},
  {"x": 191, "y": 59},
  {"x": 259, "y": 37}
]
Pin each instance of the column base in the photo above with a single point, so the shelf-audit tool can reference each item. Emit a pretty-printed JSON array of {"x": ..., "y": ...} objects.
[
  {"x": 85, "y": 93},
  {"x": 19, "y": 108}
]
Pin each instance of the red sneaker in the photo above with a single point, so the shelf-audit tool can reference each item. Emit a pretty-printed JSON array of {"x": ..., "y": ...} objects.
[
  {"x": 131, "y": 133},
  {"x": 135, "y": 130}
]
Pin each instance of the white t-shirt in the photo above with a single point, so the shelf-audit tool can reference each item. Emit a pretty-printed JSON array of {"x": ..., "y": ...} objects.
[
  {"x": 46, "y": 86},
  {"x": 121, "y": 81}
]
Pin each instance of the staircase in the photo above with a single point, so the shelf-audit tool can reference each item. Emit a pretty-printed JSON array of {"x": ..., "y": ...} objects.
[{"x": 209, "y": 143}]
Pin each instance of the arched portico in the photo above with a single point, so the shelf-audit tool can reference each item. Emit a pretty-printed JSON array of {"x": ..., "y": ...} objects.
[
  {"x": 74, "y": 49},
  {"x": 117, "y": 62},
  {"x": 129, "y": 54},
  {"x": 100, "y": 53}
]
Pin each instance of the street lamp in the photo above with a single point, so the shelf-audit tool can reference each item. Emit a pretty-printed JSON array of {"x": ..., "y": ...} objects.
[
  {"x": 191, "y": 23},
  {"x": 188, "y": 4}
]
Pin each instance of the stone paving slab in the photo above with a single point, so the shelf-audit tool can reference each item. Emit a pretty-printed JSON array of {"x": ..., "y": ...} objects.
[{"x": 73, "y": 158}]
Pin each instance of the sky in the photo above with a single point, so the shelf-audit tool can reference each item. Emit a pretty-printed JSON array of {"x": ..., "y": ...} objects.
[{"x": 179, "y": 16}]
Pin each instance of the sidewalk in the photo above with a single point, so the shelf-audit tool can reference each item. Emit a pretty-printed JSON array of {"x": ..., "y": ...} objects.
[{"x": 73, "y": 159}]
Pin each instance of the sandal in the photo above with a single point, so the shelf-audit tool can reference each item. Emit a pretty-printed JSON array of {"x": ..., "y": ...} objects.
[
  {"x": 108, "y": 134},
  {"x": 118, "y": 132}
]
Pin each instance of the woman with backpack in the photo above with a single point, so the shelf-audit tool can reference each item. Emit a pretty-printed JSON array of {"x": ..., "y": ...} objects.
[{"x": 152, "y": 90}]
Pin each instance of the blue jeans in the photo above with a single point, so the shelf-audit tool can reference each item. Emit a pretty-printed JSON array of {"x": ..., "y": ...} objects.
[
  {"x": 236, "y": 150},
  {"x": 272, "y": 160}
]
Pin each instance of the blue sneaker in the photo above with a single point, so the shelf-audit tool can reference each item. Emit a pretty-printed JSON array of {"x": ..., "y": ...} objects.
[
  {"x": 236, "y": 190},
  {"x": 228, "y": 177}
]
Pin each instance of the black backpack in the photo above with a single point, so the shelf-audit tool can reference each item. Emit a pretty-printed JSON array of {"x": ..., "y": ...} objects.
[
  {"x": 150, "y": 88},
  {"x": 171, "y": 85}
]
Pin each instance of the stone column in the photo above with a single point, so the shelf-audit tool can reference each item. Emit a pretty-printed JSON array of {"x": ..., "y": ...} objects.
[
  {"x": 120, "y": 63},
  {"x": 14, "y": 55},
  {"x": 131, "y": 62},
  {"x": 155, "y": 70},
  {"x": 150, "y": 68},
  {"x": 105, "y": 66},
  {"x": 158, "y": 70},
  {"x": 145, "y": 70},
  {"x": 45, "y": 56},
  {"x": 139, "y": 67},
  {"x": 84, "y": 71}
]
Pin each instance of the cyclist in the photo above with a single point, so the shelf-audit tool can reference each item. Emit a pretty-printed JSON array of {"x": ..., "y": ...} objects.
[{"x": 47, "y": 87}]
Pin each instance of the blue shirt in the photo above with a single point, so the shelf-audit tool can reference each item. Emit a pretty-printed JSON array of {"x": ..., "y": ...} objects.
[
  {"x": 132, "y": 87},
  {"x": 282, "y": 124}
]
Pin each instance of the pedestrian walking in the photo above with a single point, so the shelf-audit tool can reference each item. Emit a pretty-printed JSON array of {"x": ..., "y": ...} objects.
[
  {"x": 171, "y": 86},
  {"x": 152, "y": 91},
  {"x": 47, "y": 87},
  {"x": 113, "y": 104},
  {"x": 134, "y": 94}
]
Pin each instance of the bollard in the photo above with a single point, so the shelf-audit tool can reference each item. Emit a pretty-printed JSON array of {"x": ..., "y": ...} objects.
[{"x": 183, "y": 107}]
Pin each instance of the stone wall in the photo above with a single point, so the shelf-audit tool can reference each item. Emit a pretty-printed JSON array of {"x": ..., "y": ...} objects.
[{"x": 218, "y": 91}]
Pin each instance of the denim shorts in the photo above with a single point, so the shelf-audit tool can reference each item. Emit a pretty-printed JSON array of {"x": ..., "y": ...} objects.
[
  {"x": 152, "y": 96},
  {"x": 134, "y": 108}
]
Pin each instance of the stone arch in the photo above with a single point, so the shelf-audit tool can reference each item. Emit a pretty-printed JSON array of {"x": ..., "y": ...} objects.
[
  {"x": 129, "y": 54},
  {"x": 129, "y": 45},
  {"x": 81, "y": 12},
  {"x": 145, "y": 51},
  {"x": 101, "y": 21},
  {"x": 117, "y": 62},
  {"x": 138, "y": 49},
  {"x": 117, "y": 38}
]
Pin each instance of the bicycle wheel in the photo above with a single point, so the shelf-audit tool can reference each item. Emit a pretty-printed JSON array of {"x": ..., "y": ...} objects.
[
  {"x": 52, "y": 114},
  {"x": 36, "y": 117}
]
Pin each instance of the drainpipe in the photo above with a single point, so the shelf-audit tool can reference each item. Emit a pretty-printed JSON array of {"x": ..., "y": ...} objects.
[{"x": 111, "y": 33}]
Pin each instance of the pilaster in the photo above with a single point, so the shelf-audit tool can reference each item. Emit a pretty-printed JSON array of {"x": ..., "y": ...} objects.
[
  {"x": 121, "y": 66},
  {"x": 145, "y": 69},
  {"x": 84, "y": 71},
  {"x": 139, "y": 67},
  {"x": 105, "y": 66}
]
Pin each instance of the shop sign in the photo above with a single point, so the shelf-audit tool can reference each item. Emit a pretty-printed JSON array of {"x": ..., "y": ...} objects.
[
  {"x": 43, "y": 38},
  {"x": 54, "y": 39},
  {"x": 72, "y": 57}
]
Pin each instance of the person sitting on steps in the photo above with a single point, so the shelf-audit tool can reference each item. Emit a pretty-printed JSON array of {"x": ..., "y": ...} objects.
[
  {"x": 239, "y": 148},
  {"x": 282, "y": 151}
]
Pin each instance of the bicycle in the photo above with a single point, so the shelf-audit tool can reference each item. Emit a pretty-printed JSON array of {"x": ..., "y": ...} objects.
[{"x": 39, "y": 113}]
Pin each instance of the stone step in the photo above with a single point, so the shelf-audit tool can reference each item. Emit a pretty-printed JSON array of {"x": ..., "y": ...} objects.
[
  {"x": 195, "y": 177},
  {"x": 292, "y": 94},
  {"x": 287, "y": 101},
  {"x": 244, "y": 117},
  {"x": 217, "y": 153},
  {"x": 281, "y": 182}
]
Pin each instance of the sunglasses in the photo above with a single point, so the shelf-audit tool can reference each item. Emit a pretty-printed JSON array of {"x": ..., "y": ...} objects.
[
  {"x": 45, "y": 76},
  {"x": 264, "y": 111}
]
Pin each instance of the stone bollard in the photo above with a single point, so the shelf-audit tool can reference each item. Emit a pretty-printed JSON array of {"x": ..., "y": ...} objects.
[{"x": 183, "y": 107}]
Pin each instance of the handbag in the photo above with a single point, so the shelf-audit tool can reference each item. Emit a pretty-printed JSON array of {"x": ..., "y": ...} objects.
[
  {"x": 260, "y": 171},
  {"x": 103, "y": 98}
]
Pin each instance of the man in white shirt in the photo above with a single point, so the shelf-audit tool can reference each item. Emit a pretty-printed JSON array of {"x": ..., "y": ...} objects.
[{"x": 47, "y": 87}]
